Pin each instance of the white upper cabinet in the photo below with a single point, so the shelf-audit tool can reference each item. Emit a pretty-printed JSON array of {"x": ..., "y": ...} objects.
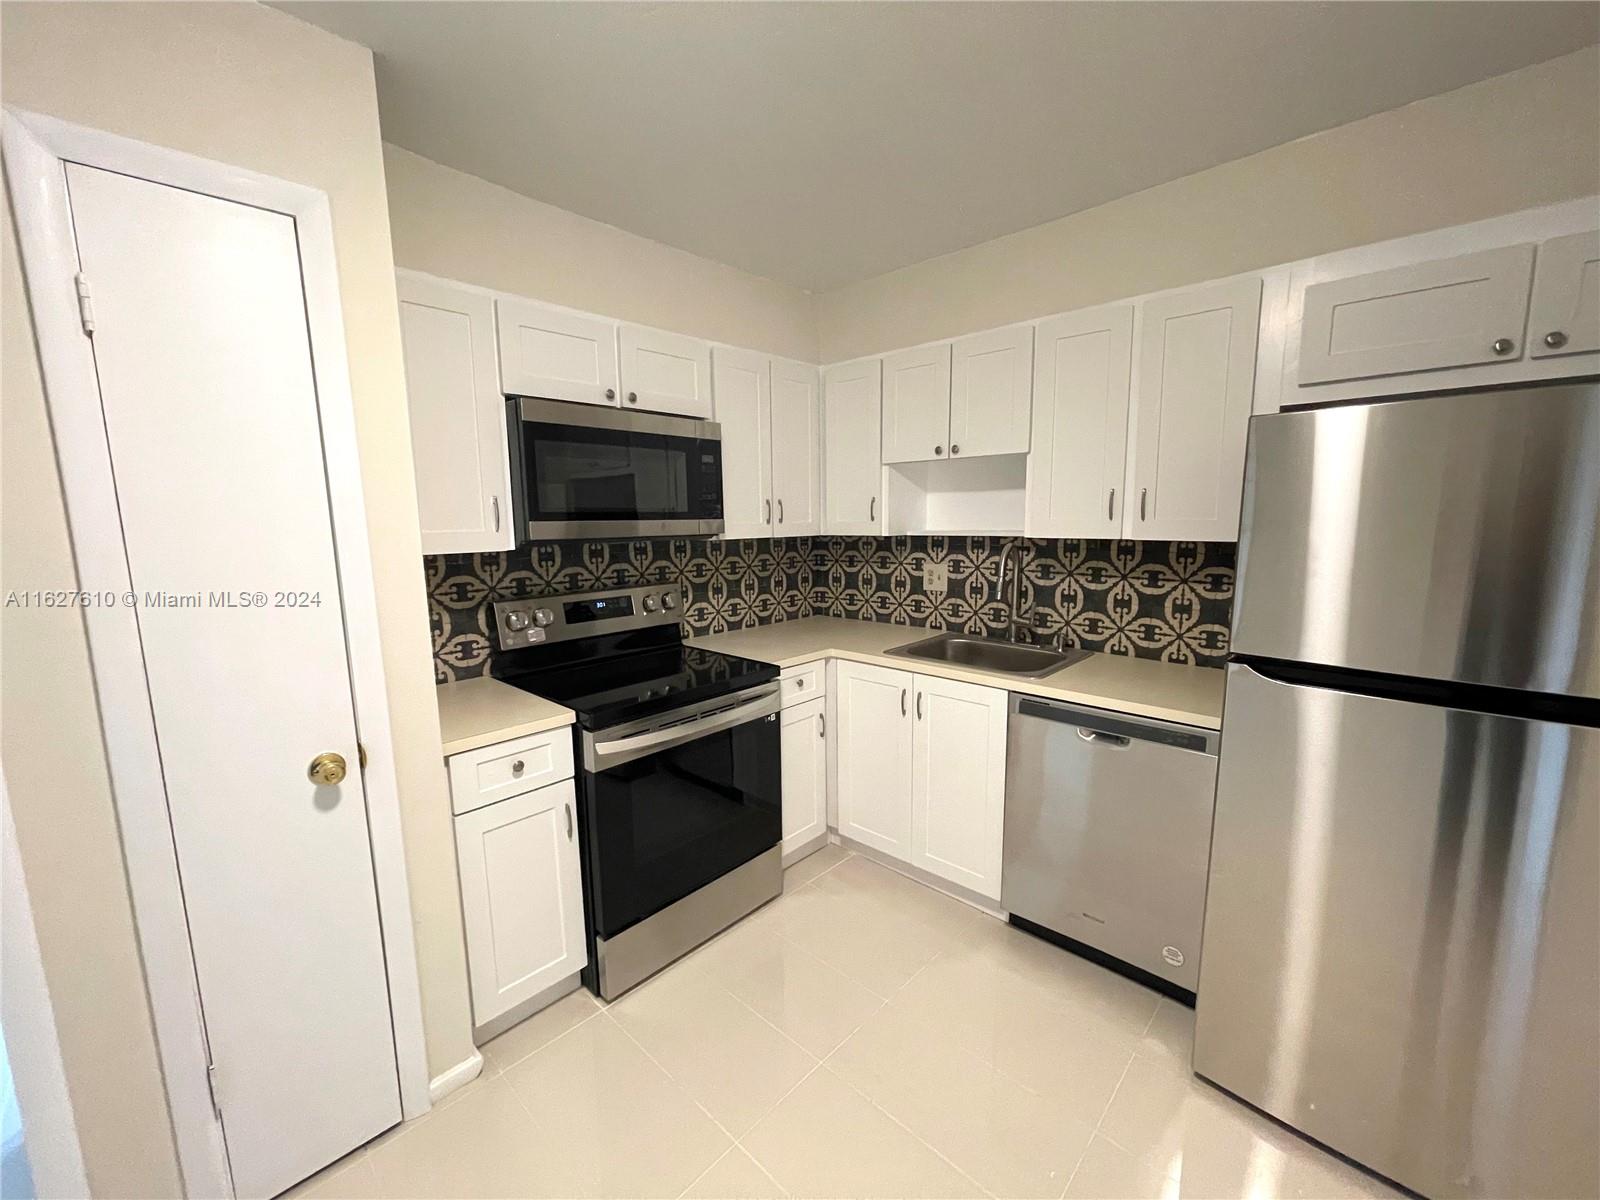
[
  {"x": 742, "y": 391},
  {"x": 1082, "y": 363},
  {"x": 873, "y": 746},
  {"x": 665, "y": 372},
  {"x": 556, "y": 354},
  {"x": 916, "y": 404},
  {"x": 1426, "y": 316},
  {"x": 958, "y": 769},
  {"x": 991, "y": 390},
  {"x": 1191, "y": 412},
  {"x": 796, "y": 449},
  {"x": 1564, "y": 315},
  {"x": 852, "y": 460},
  {"x": 458, "y": 417}
]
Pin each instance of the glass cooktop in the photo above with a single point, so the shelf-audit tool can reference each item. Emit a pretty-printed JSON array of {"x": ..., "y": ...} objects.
[{"x": 615, "y": 685}]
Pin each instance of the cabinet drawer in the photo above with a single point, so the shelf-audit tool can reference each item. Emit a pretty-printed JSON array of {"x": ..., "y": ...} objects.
[
  {"x": 505, "y": 769},
  {"x": 806, "y": 682}
]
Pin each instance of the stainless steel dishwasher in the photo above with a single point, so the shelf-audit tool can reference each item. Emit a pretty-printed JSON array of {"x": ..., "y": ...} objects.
[{"x": 1108, "y": 834}]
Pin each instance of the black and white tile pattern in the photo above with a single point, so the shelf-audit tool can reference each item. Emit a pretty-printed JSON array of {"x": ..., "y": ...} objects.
[{"x": 1162, "y": 600}]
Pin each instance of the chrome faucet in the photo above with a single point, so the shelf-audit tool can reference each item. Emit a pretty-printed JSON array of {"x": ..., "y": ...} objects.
[{"x": 1006, "y": 561}]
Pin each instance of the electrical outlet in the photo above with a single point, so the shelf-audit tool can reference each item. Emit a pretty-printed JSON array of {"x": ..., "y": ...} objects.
[{"x": 935, "y": 577}]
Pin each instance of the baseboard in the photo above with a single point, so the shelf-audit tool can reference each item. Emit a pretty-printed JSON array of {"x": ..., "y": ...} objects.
[
  {"x": 515, "y": 1016},
  {"x": 790, "y": 857},
  {"x": 927, "y": 878},
  {"x": 458, "y": 1076}
]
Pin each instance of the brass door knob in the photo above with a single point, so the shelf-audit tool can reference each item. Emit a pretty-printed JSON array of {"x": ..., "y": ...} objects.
[{"x": 327, "y": 769}]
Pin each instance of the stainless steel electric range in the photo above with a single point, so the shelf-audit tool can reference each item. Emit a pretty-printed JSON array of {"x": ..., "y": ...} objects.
[{"x": 679, "y": 776}]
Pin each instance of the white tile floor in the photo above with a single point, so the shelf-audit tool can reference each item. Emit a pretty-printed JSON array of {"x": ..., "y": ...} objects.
[{"x": 861, "y": 1036}]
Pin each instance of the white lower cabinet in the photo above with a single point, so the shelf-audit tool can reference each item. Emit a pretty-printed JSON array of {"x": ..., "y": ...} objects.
[
  {"x": 958, "y": 782},
  {"x": 874, "y": 756},
  {"x": 921, "y": 771},
  {"x": 521, "y": 897},
  {"x": 805, "y": 774}
]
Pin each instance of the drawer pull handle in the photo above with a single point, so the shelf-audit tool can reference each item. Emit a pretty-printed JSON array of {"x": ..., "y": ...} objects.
[{"x": 518, "y": 767}]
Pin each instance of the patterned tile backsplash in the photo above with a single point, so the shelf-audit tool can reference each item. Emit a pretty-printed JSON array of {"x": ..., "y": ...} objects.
[{"x": 1161, "y": 600}]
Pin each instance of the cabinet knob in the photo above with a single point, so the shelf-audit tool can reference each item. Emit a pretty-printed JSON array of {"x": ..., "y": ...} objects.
[
  {"x": 518, "y": 767},
  {"x": 611, "y": 393},
  {"x": 1503, "y": 346},
  {"x": 1555, "y": 339},
  {"x": 954, "y": 449},
  {"x": 633, "y": 397},
  {"x": 938, "y": 449}
]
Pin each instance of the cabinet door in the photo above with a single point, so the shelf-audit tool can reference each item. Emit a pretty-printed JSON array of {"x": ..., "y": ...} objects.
[
  {"x": 555, "y": 354},
  {"x": 742, "y": 394},
  {"x": 1564, "y": 316},
  {"x": 1191, "y": 412},
  {"x": 665, "y": 372},
  {"x": 1451, "y": 312},
  {"x": 796, "y": 450},
  {"x": 458, "y": 417},
  {"x": 521, "y": 897},
  {"x": 805, "y": 774},
  {"x": 852, "y": 457},
  {"x": 873, "y": 745},
  {"x": 959, "y": 783},
  {"x": 1082, "y": 364},
  {"x": 916, "y": 404},
  {"x": 991, "y": 392}
]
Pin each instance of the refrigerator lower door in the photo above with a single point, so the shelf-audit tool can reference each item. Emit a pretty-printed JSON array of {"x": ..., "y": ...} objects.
[{"x": 1401, "y": 932}]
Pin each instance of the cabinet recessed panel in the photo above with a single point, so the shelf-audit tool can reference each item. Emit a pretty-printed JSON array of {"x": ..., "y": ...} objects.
[{"x": 1423, "y": 317}]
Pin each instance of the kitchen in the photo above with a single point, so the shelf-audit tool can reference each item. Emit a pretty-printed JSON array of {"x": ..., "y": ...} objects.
[{"x": 826, "y": 656}]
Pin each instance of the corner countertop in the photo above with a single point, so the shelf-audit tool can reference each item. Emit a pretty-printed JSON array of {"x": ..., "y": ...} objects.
[
  {"x": 483, "y": 711},
  {"x": 1142, "y": 687}
]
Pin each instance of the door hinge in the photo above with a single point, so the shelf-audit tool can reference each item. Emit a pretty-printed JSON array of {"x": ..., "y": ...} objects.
[
  {"x": 85, "y": 303},
  {"x": 211, "y": 1082}
]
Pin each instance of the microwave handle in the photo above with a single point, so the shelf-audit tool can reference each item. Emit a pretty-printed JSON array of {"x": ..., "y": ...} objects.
[{"x": 602, "y": 756}]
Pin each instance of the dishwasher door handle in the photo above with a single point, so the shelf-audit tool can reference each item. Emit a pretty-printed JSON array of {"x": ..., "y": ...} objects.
[{"x": 1115, "y": 740}]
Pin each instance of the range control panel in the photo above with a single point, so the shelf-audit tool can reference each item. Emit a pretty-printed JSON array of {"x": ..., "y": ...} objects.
[{"x": 520, "y": 623}]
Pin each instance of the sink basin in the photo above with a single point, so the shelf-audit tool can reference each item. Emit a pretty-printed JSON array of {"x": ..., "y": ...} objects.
[{"x": 990, "y": 654}]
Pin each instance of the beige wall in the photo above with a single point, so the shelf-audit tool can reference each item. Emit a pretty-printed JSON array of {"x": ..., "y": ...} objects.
[
  {"x": 253, "y": 87},
  {"x": 462, "y": 227},
  {"x": 1513, "y": 142}
]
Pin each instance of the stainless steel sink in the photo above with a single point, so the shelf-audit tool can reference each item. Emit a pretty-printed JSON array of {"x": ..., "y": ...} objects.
[{"x": 990, "y": 654}]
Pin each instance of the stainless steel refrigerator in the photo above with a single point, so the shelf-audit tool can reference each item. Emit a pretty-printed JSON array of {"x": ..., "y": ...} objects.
[{"x": 1402, "y": 935}]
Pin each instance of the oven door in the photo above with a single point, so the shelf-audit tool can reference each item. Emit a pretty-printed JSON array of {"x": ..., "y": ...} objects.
[
  {"x": 675, "y": 802},
  {"x": 594, "y": 472}
]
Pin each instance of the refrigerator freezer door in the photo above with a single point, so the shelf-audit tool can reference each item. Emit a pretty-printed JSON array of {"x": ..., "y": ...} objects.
[
  {"x": 1400, "y": 935},
  {"x": 1450, "y": 537}
]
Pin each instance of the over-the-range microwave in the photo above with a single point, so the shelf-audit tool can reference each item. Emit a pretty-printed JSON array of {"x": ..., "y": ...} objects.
[{"x": 581, "y": 471}]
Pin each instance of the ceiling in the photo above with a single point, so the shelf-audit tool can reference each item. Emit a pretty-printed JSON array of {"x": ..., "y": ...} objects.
[{"x": 818, "y": 144}]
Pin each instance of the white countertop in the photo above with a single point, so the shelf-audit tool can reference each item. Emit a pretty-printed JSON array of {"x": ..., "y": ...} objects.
[
  {"x": 483, "y": 711},
  {"x": 1142, "y": 687}
]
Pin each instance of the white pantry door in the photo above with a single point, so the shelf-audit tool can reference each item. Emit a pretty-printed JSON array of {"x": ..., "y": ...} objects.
[{"x": 211, "y": 417}]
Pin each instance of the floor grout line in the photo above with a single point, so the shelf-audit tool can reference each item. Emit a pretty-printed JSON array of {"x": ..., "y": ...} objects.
[{"x": 675, "y": 1081}]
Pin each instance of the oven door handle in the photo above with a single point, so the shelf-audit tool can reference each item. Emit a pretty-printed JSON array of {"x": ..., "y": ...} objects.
[{"x": 602, "y": 756}]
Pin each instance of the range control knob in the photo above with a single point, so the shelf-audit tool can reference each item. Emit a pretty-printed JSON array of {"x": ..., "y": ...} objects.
[
  {"x": 651, "y": 604},
  {"x": 669, "y": 600},
  {"x": 543, "y": 617},
  {"x": 516, "y": 620}
]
